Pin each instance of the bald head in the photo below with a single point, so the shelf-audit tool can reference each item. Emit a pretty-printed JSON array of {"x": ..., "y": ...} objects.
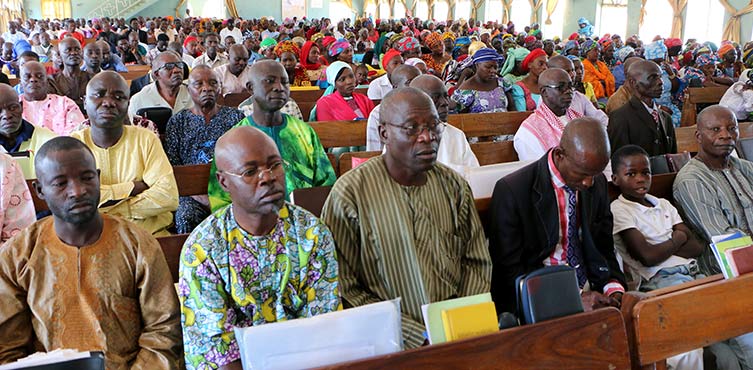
[
  {"x": 553, "y": 77},
  {"x": 236, "y": 140},
  {"x": 583, "y": 152},
  {"x": 106, "y": 101},
  {"x": 167, "y": 56},
  {"x": 629, "y": 62},
  {"x": 712, "y": 114},
  {"x": 559, "y": 61},
  {"x": 237, "y": 50},
  {"x": 433, "y": 86},
  {"x": 403, "y": 75},
  {"x": 398, "y": 104},
  {"x": 641, "y": 68}
]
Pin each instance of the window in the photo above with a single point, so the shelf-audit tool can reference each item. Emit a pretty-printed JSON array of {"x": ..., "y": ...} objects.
[
  {"x": 384, "y": 10},
  {"x": 338, "y": 11},
  {"x": 712, "y": 13},
  {"x": 212, "y": 9},
  {"x": 422, "y": 10},
  {"x": 657, "y": 21},
  {"x": 520, "y": 14},
  {"x": 493, "y": 11},
  {"x": 56, "y": 9},
  {"x": 462, "y": 9},
  {"x": 612, "y": 18},
  {"x": 557, "y": 18},
  {"x": 399, "y": 9},
  {"x": 441, "y": 10},
  {"x": 371, "y": 9}
]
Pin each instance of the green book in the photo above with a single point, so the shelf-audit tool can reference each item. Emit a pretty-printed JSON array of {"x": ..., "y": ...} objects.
[
  {"x": 721, "y": 257},
  {"x": 432, "y": 313}
]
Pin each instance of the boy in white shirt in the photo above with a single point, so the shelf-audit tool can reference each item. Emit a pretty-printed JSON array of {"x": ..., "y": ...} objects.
[{"x": 651, "y": 237}]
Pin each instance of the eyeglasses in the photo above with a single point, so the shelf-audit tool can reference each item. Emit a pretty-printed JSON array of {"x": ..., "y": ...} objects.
[
  {"x": 170, "y": 66},
  {"x": 254, "y": 175},
  {"x": 414, "y": 130},
  {"x": 563, "y": 87}
]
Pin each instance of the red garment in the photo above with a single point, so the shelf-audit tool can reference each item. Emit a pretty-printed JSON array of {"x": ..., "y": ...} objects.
[
  {"x": 333, "y": 107},
  {"x": 530, "y": 104},
  {"x": 76, "y": 35},
  {"x": 304, "y": 57},
  {"x": 535, "y": 53}
]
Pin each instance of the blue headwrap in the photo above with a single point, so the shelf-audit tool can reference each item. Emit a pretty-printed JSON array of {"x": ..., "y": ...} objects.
[
  {"x": 623, "y": 52},
  {"x": 586, "y": 31},
  {"x": 573, "y": 57},
  {"x": 459, "y": 42},
  {"x": 486, "y": 55},
  {"x": 655, "y": 50},
  {"x": 572, "y": 44}
]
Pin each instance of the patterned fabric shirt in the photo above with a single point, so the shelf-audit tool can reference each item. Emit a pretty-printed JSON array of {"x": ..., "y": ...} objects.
[
  {"x": 16, "y": 205},
  {"x": 475, "y": 101},
  {"x": 290, "y": 108},
  {"x": 306, "y": 165},
  {"x": 58, "y": 113},
  {"x": 230, "y": 278},
  {"x": 190, "y": 139}
]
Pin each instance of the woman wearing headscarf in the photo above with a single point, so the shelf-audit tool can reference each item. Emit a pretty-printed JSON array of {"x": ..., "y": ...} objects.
[
  {"x": 342, "y": 104},
  {"x": 657, "y": 53},
  {"x": 341, "y": 50},
  {"x": 512, "y": 70},
  {"x": 309, "y": 59},
  {"x": 525, "y": 93},
  {"x": 267, "y": 48},
  {"x": 288, "y": 52},
  {"x": 585, "y": 28},
  {"x": 461, "y": 48},
  {"x": 409, "y": 47},
  {"x": 618, "y": 71},
  {"x": 585, "y": 88},
  {"x": 596, "y": 72},
  {"x": 485, "y": 91},
  {"x": 730, "y": 66},
  {"x": 438, "y": 58},
  {"x": 448, "y": 39},
  {"x": 703, "y": 73}
]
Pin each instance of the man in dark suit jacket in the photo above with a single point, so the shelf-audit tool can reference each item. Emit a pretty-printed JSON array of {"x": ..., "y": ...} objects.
[
  {"x": 641, "y": 122},
  {"x": 530, "y": 216}
]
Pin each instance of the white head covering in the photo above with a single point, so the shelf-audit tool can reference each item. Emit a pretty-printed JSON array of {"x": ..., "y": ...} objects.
[{"x": 334, "y": 69}]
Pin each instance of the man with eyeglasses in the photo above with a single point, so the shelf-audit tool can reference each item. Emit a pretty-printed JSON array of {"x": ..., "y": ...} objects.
[
  {"x": 307, "y": 163},
  {"x": 580, "y": 102},
  {"x": 556, "y": 211},
  {"x": 404, "y": 225},
  {"x": 137, "y": 181},
  {"x": 543, "y": 129},
  {"x": 641, "y": 121},
  {"x": 279, "y": 257},
  {"x": 167, "y": 90}
]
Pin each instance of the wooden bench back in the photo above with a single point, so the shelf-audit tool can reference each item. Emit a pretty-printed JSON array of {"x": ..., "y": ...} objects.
[
  {"x": 171, "y": 247},
  {"x": 591, "y": 340},
  {"x": 234, "y": 99},
  {"x": 334, "y": 134},
  {"x": 686, "y": 141},
  {"x": 488, "y": 152},
  {"x": 346, "y": 159},
  {"x": 699, "y": 95},
  {"x": 488, "y": 124},
  {"x": 665, "y": 323}
]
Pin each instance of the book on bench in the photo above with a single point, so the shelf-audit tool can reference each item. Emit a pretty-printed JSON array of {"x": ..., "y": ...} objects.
[
  {"x": 59, "y": 359},
  {"x": 729, "y": 245}
]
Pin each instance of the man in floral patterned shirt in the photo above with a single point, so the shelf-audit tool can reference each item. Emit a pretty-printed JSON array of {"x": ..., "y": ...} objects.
[{"x": 255, "y": 261}]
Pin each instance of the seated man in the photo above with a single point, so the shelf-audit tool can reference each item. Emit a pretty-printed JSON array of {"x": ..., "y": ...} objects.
[
  {"x": 18, "y": 135},
  {"x": 110, "y": 61},
  {"x": 580, "y": 103},
  {"x": 212, "y": 56},
  {"x": 641, "y": 121},
  {"x": 306, "y": 163},
  {"x": 236, "y": 72},
  {"x": 58, "y": 113},
  {"x": 191, "y": 135},
  {"x": 71, "y": 81},
  {"x": 83, "y": 280},
  {"x": 16, "y": 207},
  {"x": 167, "y": 90},
  {"x": 404, "y": 225},
  {"x": 714, "y": 192},
  {"x": 92, "y": 59},
  {"x": 624, "y": 93},
  {"x": 454, "y": 150},
  {"x": 543, "y": 129},
  {"x": 297, "y": 277},
  {"x": 401, "y": 76},
  {"x": 137, "y": 179},
  {"x": 555, "y": 211}
]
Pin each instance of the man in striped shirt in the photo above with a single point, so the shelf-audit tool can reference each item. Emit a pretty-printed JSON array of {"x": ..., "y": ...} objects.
[{"x": 404, "y": 225}]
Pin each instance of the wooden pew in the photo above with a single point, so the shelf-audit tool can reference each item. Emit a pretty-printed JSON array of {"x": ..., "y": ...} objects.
[
  {"x": 667, "y": 322},
  {"x": 171, "y": 247},
  {"x": 488, "y": 124},
  {"x": 234, "y": 99},
  {"x": 334, "y": 134},
  {"x": 699, "y": 95},
  {"x": 591, "y": 340},
  {"x": 686, "y": 140},
  {"x": 346, "y": 159},
  {"x": 488, "y": 152}
]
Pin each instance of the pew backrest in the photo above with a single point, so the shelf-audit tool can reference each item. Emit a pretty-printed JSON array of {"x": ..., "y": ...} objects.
[
  {"x": 346, "y": 159},
  {"x": 193, "y": 179},
  {"x": 334, "y": 134},
  {"x": 591, "y": 340},
  {"x": 699, "y": 95},
  {"x": 488, "y": 124},
  {"x": 311, "y": 199},
  {"x": 171, "y": 247},
  {"x": 686, "y": 141},
  {"x": 491, "y": 152}
]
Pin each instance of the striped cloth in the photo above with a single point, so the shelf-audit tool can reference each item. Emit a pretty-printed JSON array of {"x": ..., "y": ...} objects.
[
  {"x": 715, "y": 202},
  {"x": 421, "y": 243}
]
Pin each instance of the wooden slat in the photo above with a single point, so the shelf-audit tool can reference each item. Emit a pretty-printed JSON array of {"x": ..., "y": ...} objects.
[
  {"x": 494, "y": 152},
  {"x": 699, "y": 95},
  {"x": 130, "y": 76},
  {"x": 686, "y": 141},
  {"x": 311, "y": 199},
  {"x": 192, "y": 180},
  {"x": 235, "y": 99},
  {"x": 488, "y": 124},
  {"x": 334, "y": 134},
  {"x": 691, "y": 318},
  {"x": 139, "y": 68},
  {"x": 306, "y": 107},
  {"x": 592, "y": 340},
  {"x": 171, "y": 247}
]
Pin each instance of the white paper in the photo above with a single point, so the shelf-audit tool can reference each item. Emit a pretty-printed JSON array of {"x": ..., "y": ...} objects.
[{"x": 46, "y": 358}]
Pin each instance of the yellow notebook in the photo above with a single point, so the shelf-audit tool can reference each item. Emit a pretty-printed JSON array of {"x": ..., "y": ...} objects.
[{"x": 470, "y": 321}]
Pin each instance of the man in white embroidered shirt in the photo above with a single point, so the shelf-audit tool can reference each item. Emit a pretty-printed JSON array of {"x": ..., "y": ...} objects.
[
  {"x": 211, "y": 57},
  {"x": 236, "y": 72}
]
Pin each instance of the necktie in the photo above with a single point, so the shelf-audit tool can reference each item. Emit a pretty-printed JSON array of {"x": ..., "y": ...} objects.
[
  {"x": 574, "y": 255},
  {"x": 655, "y": 114}
]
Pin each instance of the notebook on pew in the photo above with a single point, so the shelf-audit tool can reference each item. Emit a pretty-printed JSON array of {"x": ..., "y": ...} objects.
[
  {"x": 722, "y": 246},
  {"x": 59, "y": 359},
  {"x": 470, "y": 321},
  {"x": 432, "y": 313}
]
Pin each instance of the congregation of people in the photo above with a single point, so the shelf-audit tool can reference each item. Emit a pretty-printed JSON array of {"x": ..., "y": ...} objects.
[{"x": 89, "y": 273}]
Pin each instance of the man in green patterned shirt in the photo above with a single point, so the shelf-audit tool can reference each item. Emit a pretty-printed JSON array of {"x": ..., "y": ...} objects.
[
  {"x": 306, "y": 164},
  {"x": 404, "y": 225}
]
